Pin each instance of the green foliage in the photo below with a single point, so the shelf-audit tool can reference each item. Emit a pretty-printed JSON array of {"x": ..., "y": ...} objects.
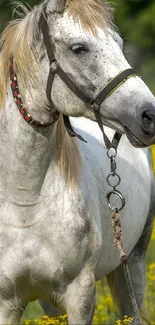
[
  {"x": 136, "y": 20},
  {"x": 6, "y": 10},
  {"x": 32, "y": 311}
]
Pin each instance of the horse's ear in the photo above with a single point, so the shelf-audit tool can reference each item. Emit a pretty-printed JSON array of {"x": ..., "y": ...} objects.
[{"x": 55, "y": 5}]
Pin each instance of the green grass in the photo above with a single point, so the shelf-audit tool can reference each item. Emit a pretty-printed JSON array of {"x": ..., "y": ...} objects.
[{"x": 32, "y": 311}]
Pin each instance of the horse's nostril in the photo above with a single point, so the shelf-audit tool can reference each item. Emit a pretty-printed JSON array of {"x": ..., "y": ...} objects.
[{"x": 148, "y": 122}]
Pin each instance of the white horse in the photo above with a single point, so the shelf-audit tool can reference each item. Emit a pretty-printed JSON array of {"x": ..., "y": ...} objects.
[{"x": 56, "y": 234}]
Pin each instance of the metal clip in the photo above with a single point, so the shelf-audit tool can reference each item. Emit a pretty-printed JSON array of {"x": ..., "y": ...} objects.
[
  {"x": 96, "y": 107},
  {"x": 54, "y": 65},
  {"x": 113, "y": 164},
  {"x": 112, "y": 176},
  {"x": 113, "y": 180},
  {"x": 112, "y": 152},
  {"x": 119, "y": 194}
]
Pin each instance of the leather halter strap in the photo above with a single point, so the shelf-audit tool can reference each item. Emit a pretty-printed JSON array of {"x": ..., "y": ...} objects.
[
  {"x": 94, "y": 102},
  {"x": 56, "y": 69},
  {"x": 54, "y": 66}
]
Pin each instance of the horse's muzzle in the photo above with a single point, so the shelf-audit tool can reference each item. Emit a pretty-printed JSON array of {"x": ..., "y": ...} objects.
[{"x": 141, "y": 131}]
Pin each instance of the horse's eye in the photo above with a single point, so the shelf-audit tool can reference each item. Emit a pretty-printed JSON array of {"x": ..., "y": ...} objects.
[{"x": 78, "y": 49}]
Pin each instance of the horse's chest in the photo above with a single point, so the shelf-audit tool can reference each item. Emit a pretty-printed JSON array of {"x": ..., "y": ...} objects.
[{"x": 45, "y": 258}]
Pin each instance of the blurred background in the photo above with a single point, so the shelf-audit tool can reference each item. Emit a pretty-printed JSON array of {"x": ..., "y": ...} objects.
[{"x": 135, "y": 20}]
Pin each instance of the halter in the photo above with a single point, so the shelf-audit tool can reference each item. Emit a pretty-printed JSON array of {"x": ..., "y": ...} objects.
[
  {"x": 95, "y": 103},
  {"x": 56, "y": 69}
]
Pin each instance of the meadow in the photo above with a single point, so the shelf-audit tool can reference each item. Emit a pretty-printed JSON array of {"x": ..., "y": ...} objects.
[{"x": 106, "y": 312}]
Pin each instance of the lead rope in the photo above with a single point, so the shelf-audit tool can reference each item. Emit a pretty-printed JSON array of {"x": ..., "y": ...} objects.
[{"x": 113, "y": 180}]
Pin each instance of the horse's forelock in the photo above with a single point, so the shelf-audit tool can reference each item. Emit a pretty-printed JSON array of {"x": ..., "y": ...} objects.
[{"x": 90, "y": 13}]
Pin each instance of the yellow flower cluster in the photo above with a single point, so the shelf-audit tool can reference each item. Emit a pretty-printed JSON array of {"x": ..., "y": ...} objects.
[
  {"x": 126, "y": 321},
  {"x": 45, "y": 320},
  {"x": 62, "y": 320}
]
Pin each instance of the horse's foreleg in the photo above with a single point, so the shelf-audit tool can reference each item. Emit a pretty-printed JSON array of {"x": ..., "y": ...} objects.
[
  {"x": 136, "y": 263},
  {"x": 10, "y": 313},
  {"x": 79, "y": 299},
  {"x": 9, "y": 317}
]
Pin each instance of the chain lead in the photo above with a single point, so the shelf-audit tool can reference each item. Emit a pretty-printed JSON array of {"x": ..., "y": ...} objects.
[
  {"x": 113, "y": 180},
  {"x": 117, "y": 229}
]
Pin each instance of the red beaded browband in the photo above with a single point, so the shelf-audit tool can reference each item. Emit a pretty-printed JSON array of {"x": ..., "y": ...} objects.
[{"x": 16, "y": 94}]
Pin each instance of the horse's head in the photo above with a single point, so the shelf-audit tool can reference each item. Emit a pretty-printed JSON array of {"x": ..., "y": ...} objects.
[
  {"x": 71, "y": 48},
  {"x": 89, "y": 51}
]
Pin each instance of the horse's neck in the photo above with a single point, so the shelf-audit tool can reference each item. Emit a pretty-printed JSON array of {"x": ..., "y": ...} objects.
[{"x": 29, "y": 152}]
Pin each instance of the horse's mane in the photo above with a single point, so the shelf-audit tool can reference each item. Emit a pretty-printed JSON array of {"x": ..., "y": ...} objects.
[{"x": 20, "y": 40}]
